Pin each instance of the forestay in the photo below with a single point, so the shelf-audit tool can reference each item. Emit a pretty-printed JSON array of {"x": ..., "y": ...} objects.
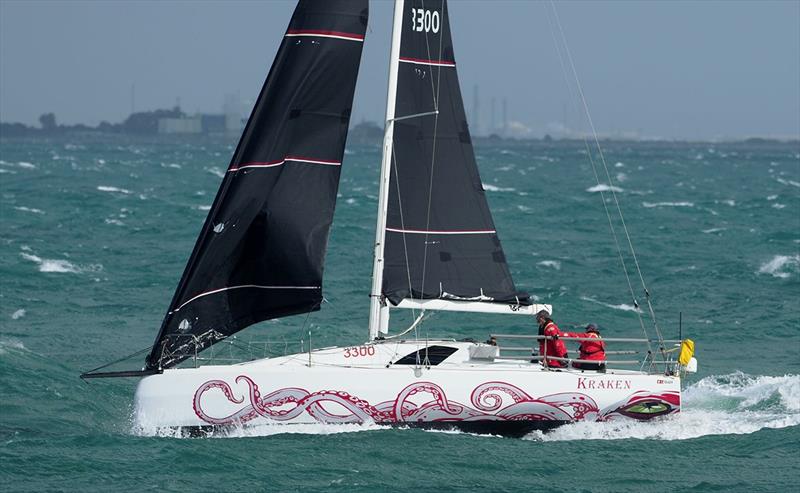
[
  {"x": 261, "y": 250},
  {"x": 440, "y": 239}
]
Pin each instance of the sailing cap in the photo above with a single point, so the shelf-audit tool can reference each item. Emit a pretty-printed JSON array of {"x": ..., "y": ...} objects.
[
  {"x": 592, "y": 328},
  {"x": 542, "y": 314}
]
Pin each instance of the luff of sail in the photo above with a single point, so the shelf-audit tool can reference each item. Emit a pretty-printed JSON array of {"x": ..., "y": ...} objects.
[
  {"x": 440, "y": 239},
  {"x": 261, "y": 251}
]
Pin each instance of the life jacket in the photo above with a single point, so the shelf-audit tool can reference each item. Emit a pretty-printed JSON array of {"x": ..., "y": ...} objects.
[
  {"x": 593, "y": 350},
  {"x": 555, "y": 348}
]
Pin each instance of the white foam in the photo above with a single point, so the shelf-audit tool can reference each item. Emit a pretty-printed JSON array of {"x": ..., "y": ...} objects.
[
  {"x": 781, "y": 266},
  {"x": 29, "y": 209},
  {"x": 350, "y": 201},
  {"x": 729, "y": 202},
  {"x": 604, "y": 188},
  {"x": 115, "y": 222},
  {"x": 624, "y": 307},
  {"x": 713, "y": 230},
  {"x": 6, "y": 344},
  {"x": 732, "y": 404},
  {"x": 59, "y": 266},
  {"x": 262, "y": 430},
  {"x": 494, "y": 188},
  {"x": 26, "y": 165},
  {"x": 619, "y": 165},
  {"x": 789, "y": 182},
  {"x": 18, "y": 314},
  {"x": 105, "y": 188},
  {"x": 772, "y": 197},
  {"x": 778, "y": 205},
  {"x": 216, "y": 172},
  {"x": 555, "y": 264},
  {"x": 203, "y": 207},
  {"x": 650, "y": 205},
  {"x": 621, "y": 177}
]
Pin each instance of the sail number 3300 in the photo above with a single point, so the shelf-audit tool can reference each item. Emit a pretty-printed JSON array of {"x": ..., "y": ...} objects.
[
  {"x": 360, "y": 351},
  {"x": 424, "y": 20}
]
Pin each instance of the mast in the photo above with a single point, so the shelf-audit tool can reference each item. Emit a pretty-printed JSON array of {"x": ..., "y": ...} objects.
[{"x": 378, "y": 310}]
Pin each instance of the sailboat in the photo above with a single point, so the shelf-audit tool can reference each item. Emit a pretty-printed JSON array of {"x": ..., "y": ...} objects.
[{"x": 260, "y": 256}]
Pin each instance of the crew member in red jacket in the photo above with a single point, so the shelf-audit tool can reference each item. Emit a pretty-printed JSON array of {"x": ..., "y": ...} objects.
[
  {"x": 554, "y": 347},
  {"x": 594, "y": 350}
]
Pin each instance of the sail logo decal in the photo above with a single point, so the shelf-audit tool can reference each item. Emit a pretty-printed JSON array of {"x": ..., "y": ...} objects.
[
  {"x": 273, "y": 164},
  {"x": 253, "y": 286},
  {"x": 292, "y": 33},
  {"x": 432, "y": 232},
  {"x": 421, "y": 61},
  {"x": 424, "y": 20}
]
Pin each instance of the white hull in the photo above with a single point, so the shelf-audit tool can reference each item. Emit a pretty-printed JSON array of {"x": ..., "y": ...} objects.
[{"x": 366, "y": 384}]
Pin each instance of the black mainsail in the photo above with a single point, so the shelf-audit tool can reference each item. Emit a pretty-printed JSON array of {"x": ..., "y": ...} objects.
[
  {"x": 261, "y": 251},
  {"x": 440, "y": 239}
]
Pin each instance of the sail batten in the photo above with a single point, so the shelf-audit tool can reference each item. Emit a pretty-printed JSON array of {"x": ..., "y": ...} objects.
[{"x": 260, "y": 254}]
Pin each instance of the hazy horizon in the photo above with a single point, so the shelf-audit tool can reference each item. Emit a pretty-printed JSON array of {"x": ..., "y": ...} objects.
[{"x": 655, "y": 69}]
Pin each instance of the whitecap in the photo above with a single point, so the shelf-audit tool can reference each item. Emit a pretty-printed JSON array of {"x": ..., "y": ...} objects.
[
  {"x": 650, "y": 205},
  {"x": 350, "y": 201},
  {"x": 604, "y": 188},
  {"x": 115, "y": 222},
  {"x": 494, "y": 188},
  {"x": 622, "y": 177},
  {"x": 216, "y": 172},
  {"x": 106, "y": 188},
  {"x": 624, "y": 307},
  {"x": 203, "y": 207},
  {"x": 58, "y": 265},
  {"x": 7, "y": 171},
  {"x": 778, "y": 205},
  {"x": 6, "y": 344},
  {"x": 782, "y": 266},
  {"x": 18, "y": 314},
  {"x": 714, "y": 230},
  {"x": 26, "y": 165},
  {"x": 729, "y": 202},
  {"x": 772, "y": 197},
  {"x": 29, "y": 209},
  {"x": 555, "y": 264},
  {"x": 789, "y": 182},
  {"x": 619, "y": 165}
]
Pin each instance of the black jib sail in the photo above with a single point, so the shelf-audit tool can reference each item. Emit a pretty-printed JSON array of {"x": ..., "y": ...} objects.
[
  {"x": 261, "y": 251},
  {"x": 441, "y": 241}
]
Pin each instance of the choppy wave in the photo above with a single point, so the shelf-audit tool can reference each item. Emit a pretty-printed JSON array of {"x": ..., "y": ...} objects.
[
  {"x": 106, "y": 188},
  {"x": 733, "y": 404},
  {"x": 10, "y": 344},
  {"x": 29, "y": 209},
  {"x": 782, "y": 266},
  {"x": 604, "y": 188},
  {"x": 59, "y": 266},
  {"x": 18, "y": 314},
  {"x": 494, "y": 188},
  {"x": 555, "y": 264},
  {"x": 623, "y": 306},
  {"x": 650, "y": 205}
]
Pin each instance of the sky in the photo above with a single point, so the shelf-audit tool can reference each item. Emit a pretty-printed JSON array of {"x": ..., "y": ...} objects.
[{"x": 672, "y": 69}]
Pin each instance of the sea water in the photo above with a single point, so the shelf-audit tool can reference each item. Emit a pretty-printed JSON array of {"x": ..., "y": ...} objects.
[{"x": 95, "y": 232}]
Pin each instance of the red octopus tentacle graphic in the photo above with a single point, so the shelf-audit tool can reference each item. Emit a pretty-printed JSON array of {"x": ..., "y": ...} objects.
[
  {"x": 241, "y": 416},
  {"x": 415, "y": 388},
  {"x": 485, "y": 398},
  {"x": 361, "y": 410},
  {"x": 581, "y": 404}
]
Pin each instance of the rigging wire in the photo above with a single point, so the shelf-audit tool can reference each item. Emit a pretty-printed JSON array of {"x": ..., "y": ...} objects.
[{"x": 610, "y": 183}]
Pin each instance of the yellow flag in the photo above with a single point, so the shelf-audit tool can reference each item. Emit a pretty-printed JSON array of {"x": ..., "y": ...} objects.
[{"x": 687, "y": 351}]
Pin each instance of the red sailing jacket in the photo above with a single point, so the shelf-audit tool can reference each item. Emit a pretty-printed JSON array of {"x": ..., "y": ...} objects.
[
  {"x": 591, "y": 350},
  {"x": 555, "y": 348}
]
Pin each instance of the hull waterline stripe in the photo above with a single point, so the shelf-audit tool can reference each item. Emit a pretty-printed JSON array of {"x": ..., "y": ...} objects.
[
  {"x": 324, "y": 34},
  {"x": 253, "y": 286},
  {"x": 420, "y": 61},
  {"x": 462, "y": 232},
  {"x": 273, "y": 164}
]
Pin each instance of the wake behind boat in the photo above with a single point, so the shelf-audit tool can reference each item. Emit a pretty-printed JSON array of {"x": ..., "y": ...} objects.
[{"x": 260, "y": 256}]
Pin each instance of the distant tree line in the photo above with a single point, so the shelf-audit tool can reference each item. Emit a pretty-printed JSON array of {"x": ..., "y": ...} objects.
[{"x": 140, "y": 123}]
